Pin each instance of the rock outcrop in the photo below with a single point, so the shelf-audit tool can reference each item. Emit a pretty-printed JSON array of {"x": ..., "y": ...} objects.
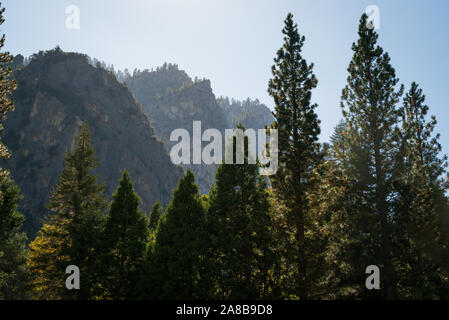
[
  {"x": 173, "y": 100},
  {"x": 56, "y": 92}
]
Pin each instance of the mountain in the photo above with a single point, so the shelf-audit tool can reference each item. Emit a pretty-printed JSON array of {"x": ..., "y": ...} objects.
[
  {"x": 250, "y": 113},
  {"x": 173, "y": 100},
  {"x": 56, "y": 92}
]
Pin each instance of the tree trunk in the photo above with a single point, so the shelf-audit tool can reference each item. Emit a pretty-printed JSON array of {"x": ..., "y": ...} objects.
[
  {"x": 384, "y": 227},
  {"x": 302, "y": 287}
]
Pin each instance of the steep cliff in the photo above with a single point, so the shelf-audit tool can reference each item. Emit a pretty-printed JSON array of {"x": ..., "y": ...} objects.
[
  {"x": 173, "y": 100},
  {"x": 56, "y": 92}
]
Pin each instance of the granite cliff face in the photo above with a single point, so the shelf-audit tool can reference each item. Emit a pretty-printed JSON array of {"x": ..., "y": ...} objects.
[
  {"x": 173, "y": 100},
  {"x": 56, "y": 92}
]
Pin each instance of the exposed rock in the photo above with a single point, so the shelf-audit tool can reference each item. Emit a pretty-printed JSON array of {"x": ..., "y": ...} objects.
[
  {"x": 173, "y": 100},
  {"x": 56, "y": 92}
]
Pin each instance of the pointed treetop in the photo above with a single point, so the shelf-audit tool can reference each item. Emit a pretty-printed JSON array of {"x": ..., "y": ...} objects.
[{"x": 155, "y": 214}]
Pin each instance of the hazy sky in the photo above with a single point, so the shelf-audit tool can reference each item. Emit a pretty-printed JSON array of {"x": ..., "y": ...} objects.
[{"x": 233, "y": 43}]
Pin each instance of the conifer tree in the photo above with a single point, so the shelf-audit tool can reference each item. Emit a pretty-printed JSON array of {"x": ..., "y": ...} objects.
[
  {"x": 176, "y": 262},
  {"x": 14, "y": 273},
  {"x": 423, "y": 149},
  {"x": 126, "y": 234},
  {"x": 13, "y": 269},
  {"x": 240, "y": 231},
  {"x": 7, "y": 86},
  {"x": 364, "y": 226},
  {"x": 299, "y": 149},
  {"x": 48, "y": 258},
  {"x": 74, "y": 230},
  {"x": 424, "y": 205}
]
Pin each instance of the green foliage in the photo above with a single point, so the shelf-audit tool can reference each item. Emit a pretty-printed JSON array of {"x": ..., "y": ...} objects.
[
  {"x": 14, "y": 273},
  {"x": 74, "y": 231},
  {"x": 363, "y": 228},
  {"x": 7, "y": 86},
  {"x": 423, "y": 206},
  {"x": 48, "y": 258},
  {"x": 299, "y": 150},
  {"x": 384, "y": 181},
  {"x": 176, "y": 263},
  {"x": 155, "y": 215},
  {"x": 126, "y": 235},
  {"x": 239, "y": 227}
]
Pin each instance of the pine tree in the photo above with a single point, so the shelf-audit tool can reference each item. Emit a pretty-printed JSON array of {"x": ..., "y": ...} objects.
[
  {"x": 14, "y": 274},
  {"x": 13, "y": 269},
  {"x": 364, "y": 172},
  {"x": 424, "y": 205},
  {"x": 423, "y": 150},
  {"x": 177, "y": 259},
  {"x": 299, "y": 150},
  {"x": 74, "y": 231},
  {"x": 240, "y": 231},
  {"x": 48, "y": 258},
  {"x": 126, "y": 234},
  {"x": 7, "y": 86}
]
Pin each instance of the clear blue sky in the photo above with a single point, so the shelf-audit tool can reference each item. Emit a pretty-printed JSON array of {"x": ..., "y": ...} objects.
[{"x": 233, "y": 43}]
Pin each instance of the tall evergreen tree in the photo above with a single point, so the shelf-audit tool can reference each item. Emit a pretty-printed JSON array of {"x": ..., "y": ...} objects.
[
  {"x": 423, "y": 149},
  {"x": 424, "y": 205},
  {"x": 7, "y": 86},
  {"x": 363, "y": 230},
  {"x": 299, "y": 150},
  {"x": 14, "y": 273},
  {"x": 241, "y": 233},
  {"x": 48, "y": 258},
  {"x": 176, "y": 262},
  {"x": 76, "y": 227},
  {"x": 13, "y": 269},
  {"x": 126, "y": 234}
]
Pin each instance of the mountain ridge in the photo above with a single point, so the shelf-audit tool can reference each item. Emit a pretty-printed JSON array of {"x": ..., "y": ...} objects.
[{"x": 56, "y": 92}]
